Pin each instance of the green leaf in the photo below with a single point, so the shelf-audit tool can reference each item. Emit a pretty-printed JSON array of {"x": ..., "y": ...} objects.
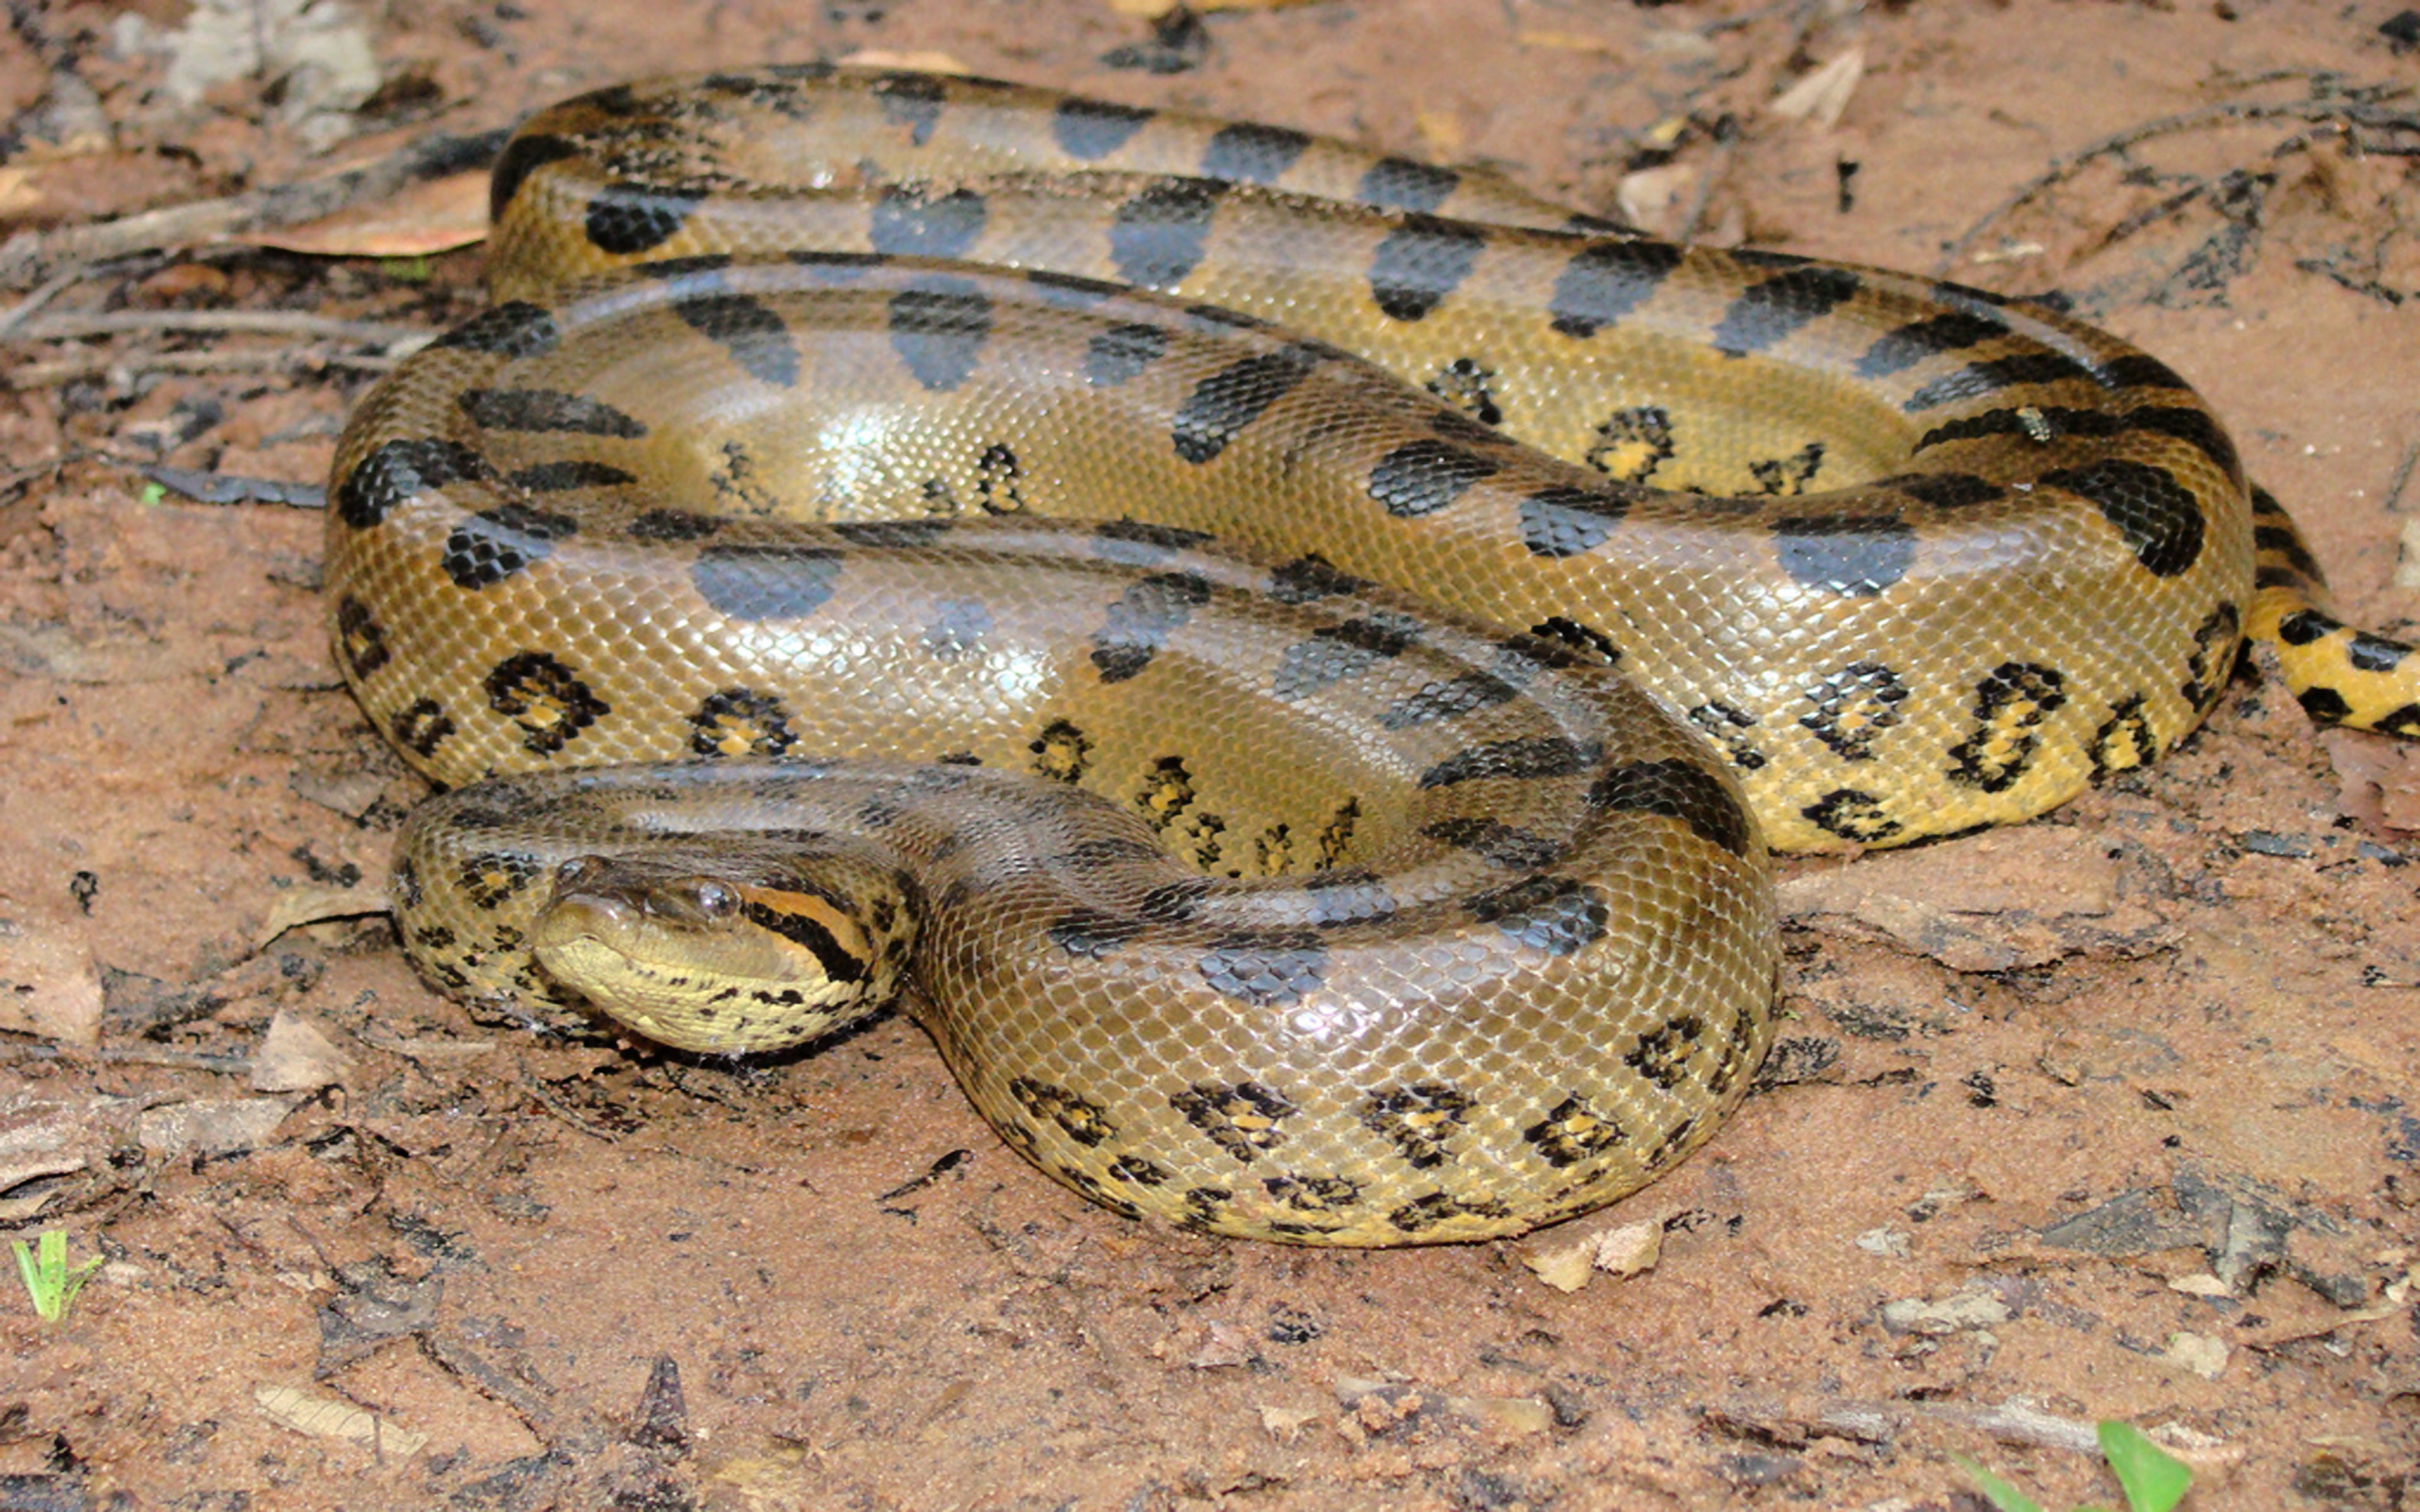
[
  {"x": 1997, "y": 1491},
  {"x": 50, "y": 1282},
  {"x": 2155, "y": 1480}
]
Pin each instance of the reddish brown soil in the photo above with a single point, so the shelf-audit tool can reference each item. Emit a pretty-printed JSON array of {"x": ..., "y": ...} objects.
[{"x": 2113, "y": 1116}]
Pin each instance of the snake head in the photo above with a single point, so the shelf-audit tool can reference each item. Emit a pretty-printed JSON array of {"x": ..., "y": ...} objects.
[{"x": 720, "y": 954}]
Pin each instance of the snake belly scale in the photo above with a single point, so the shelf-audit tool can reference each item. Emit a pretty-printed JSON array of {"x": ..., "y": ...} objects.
[{"x": 1294, "y": 658}]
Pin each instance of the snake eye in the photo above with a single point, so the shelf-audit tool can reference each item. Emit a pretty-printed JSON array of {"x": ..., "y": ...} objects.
[
  {"x": 716, "y": 899},
  {"x": 577, "y": 872}
]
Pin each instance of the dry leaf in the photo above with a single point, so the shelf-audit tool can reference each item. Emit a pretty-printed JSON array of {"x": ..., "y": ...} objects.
[
  {"x": 1821, "y": 97},
  {"x": 48, "y": 986},
  {"x": 294, "y": 1057},
  {"x": 436, "y": 215},
  {"x": 1285, "y": 1424},
  {"x": 325, "y": 1417},
  {"x": 297, "y": 906}
]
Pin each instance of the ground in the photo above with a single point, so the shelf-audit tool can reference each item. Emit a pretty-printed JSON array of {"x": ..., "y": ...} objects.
[{"x": 2111, "y": 1116}]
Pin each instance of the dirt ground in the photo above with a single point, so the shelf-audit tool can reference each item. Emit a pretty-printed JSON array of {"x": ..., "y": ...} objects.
[{"x": 2113, "y": 1115}]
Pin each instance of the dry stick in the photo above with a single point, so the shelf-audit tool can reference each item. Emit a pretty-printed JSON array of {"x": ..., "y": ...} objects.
[
  {"x": 31, "y": 257},
  {"x": 2061, "y": 169},
  {"x": 275, "y": 322},
  {"x": 70, "y": 369}
]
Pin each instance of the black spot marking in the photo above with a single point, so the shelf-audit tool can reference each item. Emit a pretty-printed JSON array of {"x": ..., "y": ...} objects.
[
  {"x": 1681, "y": 789},
  {"x": 491, "y": 880},
  {"x": 361, "y": 641},
  {"x": 2325, "y": 705},
  {"x": 1119, "y": 353},
  {"x": 514, "y": 329},
  {"x": 494, "y": 544},
  {"x": 1469, "y": 386},
  {"x": 1306, "y": 578},
  {"x": 522, "y": 156},
  {"x": 1267, "y": 969},
  {"x": 546, "y": 410},
  {"x": 1448, "y": 700},
  {"x": 1858, "y": 555},
  {"x": 912, "y": 101},
  {"x": 1522, "y": 759},
  {"x": 1094, "y": 129},
  {"x": 568, "y": 473},
  {"x": 2010, "y": 705},
  {"x": 1221, "y": 405},
  {"x": 399, "y": 471},
  {"x": 836, "y": 962},
  {"x": 1663, "y": 1053},
  {"x": 766, "y": 581},
  {"x": 2159, "y": 518},
  {"x": 939, "y": 330},
  {"x": 423, "y": 726},
  {"x": 1605, "y": 281},
  {"x": 1769, "y": 312},
  {"x": 2304, "y": 626},
  {"x": 1419, "y": 1120},
  {"x": 1086, "y": 1122},
  {"x": 1946, "y": 491},
  {"x": 1854, "y": 707},
  {"x": 740, "y": 721},
  {"x": 1911, "y": 344},
  {"x": 1778, "y": 475},
  {"x": 1141, "y": 622},
  {"x": 1157, "y": 237},
  {"x": 915, "y": 221},
  {"x": 1631, "y": 444},
  {"x": 1253, "y": 154},
  {"x": 2285, "y": 542},
  {"x": 1976, "y": 379},
  {"x": 625, "y": 220},
  {"x": 2125, "y": 740},
  {"x": 1726, "y": 726},
  {"x": 1438, "y": 1208},
  {"x": 1337, "y": 651},
  {"x": 1241, "y": 1119},
  {"x": 1092, "y": 935},
  {"x": 892, "y": 534},
  {"x": 673, "y": 525},
  {"x": 545, "y": 697},
  {"x": 1141, "y": 543},
  {"x": 2214, "y": 642},
  {"x": 1421, "y": 262},
  {"x": 1424, "y": 476},
  {"x": 2374, "y": 654},
  {"x": 1561, "y": 916},
  {"x": 1061, "y": 751},
  {"x": 1572, "y": 1132},
  {"x": 1400, "y": 184},
  {"x": 2039, "y": 422},
  {"x": 1496, "y": 842},
  {"x": 746, "y": 328},
  {"x": 999, "y": 479},
  {"x": 1563, "y": 521}
]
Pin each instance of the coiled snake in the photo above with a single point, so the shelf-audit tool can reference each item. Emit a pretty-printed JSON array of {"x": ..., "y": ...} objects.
[{"x": 1238, "y": 744}]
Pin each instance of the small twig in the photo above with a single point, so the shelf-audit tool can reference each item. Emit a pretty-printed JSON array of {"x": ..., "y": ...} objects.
[
  {"x": 227, "y": 489},
  {"x": 32, "y": 255},
  {"x": 273, "y": 322},
  {"x": 2062, "y": 169},
  {"x": 68, "y": 370}
]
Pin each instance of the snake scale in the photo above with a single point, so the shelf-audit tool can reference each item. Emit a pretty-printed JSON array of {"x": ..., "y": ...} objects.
[{"x": 1296, "y": 656}]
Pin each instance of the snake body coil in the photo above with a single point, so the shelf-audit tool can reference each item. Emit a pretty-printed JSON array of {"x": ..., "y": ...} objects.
[{"x": 1021, "y": 633}]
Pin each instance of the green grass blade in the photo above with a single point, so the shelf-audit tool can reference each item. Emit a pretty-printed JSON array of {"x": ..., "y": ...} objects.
[
  {"x": 2155, "y": 1480},
  {"x": 1995, "y": 1491}
]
